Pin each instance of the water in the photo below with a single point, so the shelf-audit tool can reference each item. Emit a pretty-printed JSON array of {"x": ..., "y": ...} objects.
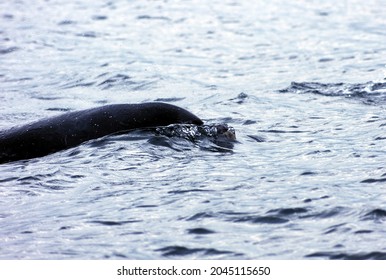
[{"x": 301, "y": 83}]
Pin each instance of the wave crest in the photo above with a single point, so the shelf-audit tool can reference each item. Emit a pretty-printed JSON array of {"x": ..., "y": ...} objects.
[{"x": 371, "y": 93}]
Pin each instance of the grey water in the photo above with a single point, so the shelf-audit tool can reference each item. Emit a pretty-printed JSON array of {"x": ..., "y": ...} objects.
[{"x": 301, "y": 82}]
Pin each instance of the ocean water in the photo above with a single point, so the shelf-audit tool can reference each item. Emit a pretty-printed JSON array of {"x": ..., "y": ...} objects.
[{"x": 302, "y": 83}]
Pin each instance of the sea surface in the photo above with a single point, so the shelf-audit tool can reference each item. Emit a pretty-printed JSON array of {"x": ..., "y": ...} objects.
[{"x": 301, "y": 82}]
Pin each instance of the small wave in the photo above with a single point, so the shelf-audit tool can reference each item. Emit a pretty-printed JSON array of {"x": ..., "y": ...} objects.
[
  {"x": 345, "y": 256},
  {"x": 269, "y": 219},
  {"x": 248, "y": 122},
  {"x": 375, "y": 215},
  {"x": 272, "y": 218},
  {"x": 77, "y": 83},
  {"x": 116, "y": 79},
  {"x": 335, "y": 211},
  {"x": 147, "y": 17},
  {"x": 308, "y": 173},
  {"x": 200, "y": 231},
  {"x": 371, "y": 180},
  {"x": 288, "y": 211},
  {"x": 99, "y": 17},
  {"x": 88, "y": 34},
  {"x": 184, "y": 251},
  {"x": 342, "y": 228},
  {"x": 123, "y": 80},
  {"x": 363, "y": 231},
  {"x": 309, "y": 200},
  {"x": 257, "y": 138},
  {"x": 188, "y": 191},
  {"x": 369, "y": 93},
  {"x": 200, "y": 216},
  {"x": 58, "y": 109},
  {"x": 67, "y": 22},
  {"x": 240, "y": 99},
  {"x": 177, "y": 145},
  {"x": 8, "y": 50},
  {"x": 114, "y": 223},
  {"x": 282, "y": 131},
  {"x": 8, "y": 16},
  {"x": 116, "y": 255},
  {"x": 171, "y": 99}
]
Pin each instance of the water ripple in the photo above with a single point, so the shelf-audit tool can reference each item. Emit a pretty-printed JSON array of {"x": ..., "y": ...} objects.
[
  {"x": 345, "y": 256},
  {"x": 114, "y": 223},
  {"x": 260, "y": 219},
  {"x": 376, "y": 215},
  {"x": 200, "y": 231},
  {"x": 371, "y": 93},
  {"x": 8, "y": 50},
  {"x": 184, "y": 251}
]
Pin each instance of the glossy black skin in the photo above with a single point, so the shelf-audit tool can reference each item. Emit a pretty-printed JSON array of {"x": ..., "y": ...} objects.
[{"x": 50, "y": 135}]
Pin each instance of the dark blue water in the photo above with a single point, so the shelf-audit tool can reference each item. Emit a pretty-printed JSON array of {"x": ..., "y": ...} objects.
[{"x": 303, "y": 85}]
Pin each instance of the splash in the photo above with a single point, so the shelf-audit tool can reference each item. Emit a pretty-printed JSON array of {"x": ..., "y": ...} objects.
[
  {"x": 213, "y": 137},
  {"x": 194, "y": 132}
]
